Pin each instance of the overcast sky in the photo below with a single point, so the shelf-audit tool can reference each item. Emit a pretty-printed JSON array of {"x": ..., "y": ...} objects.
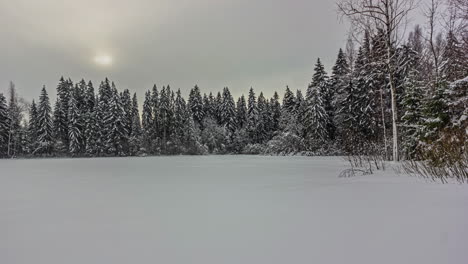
[{"x": 266, "y": 44}]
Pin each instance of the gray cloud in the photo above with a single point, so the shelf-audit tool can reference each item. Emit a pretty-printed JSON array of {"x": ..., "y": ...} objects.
[{"x": 237, "y": 43}]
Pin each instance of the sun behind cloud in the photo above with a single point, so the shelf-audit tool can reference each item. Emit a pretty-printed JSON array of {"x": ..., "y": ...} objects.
[{"x": 103, "y": 59}]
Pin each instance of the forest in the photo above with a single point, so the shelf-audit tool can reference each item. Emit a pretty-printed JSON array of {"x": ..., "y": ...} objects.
[{"x": 399, "y": 96}]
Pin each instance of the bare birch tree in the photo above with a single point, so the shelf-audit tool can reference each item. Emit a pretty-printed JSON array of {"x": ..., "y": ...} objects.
[{"x": 391, "y": 16}]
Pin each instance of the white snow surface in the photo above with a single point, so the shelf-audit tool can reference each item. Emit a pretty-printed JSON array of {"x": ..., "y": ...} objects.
[{"x": 224, "y": 209}]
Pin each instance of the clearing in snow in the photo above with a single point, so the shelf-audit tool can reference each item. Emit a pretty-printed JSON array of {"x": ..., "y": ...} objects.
[{"x": 224, "y": 209}]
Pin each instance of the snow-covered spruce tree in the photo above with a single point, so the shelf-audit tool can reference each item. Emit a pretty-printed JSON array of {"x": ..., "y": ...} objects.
[
  {"x": 288, "y": 114},
  {"x": 74, "y": 127},
  {"x": 3, "y": 126},
  {"x": 228, "y": 113},
  {"x": 116, "y": 140},
  {"x": 454, "y": 64},
  {"x": 127, "y": 106},
  {"x": 208, "y": 106},
  {"x": 192, "y": 135},
  {"x": 316, "y": 118},
  {"x": 147, "y": 123},
  {"x": 338, "y": 82},
  {"x": 15, "y": 116},
  {"x": 32, "y": 127},
  {"x": 61, "y": 114},
  {"x": 275, "y": 112},
  {"x": 435, "y": 112},
  {"x": 180, "y": 116},
  {"x": 252, "y": 118},
  {"x": 135, "y": 135},
  {"x": 365, "y": 105},
  {"x": 262, "y": 123},
  {"x": 155, "y": 130},
  {"x": 195, "y": 103},
  {"x": 91, "y": 132},
  {"x": 289, "y": 102},
  {"x": 241, "y": 112},
  {"x": 103, "y": 117},
  {"x": 412, "y": 114},
  {"x": 457, "y": 101},
  {"x": 44, "y": 125},
  {"x": 217, "y": 107},
  {"x": 164, "y": 118}
]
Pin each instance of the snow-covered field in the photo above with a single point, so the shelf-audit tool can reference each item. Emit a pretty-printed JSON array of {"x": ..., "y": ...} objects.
[{"x": 224, "y": 209}]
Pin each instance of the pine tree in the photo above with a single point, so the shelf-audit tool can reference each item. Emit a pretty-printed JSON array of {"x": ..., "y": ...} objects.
[
  {"x": 195, "y": 103},
  {"x": 164, "y": 117},
  {"x": 364, "y": 107},
  {"x": 338, "y": 83},
  {"x": 412, "y": 114},
  {"x": 275, "y": 112},
  {"x": 217, "y": 107},
  {"x": 180, "y": 116},
  {"x": 91, "y": 132},
  {"x": 289, "y": 102},
  {"x": 127, "y": 118},
  {"x": 252, "y": 117},
  {"x": 454, "y": 64},
  {"x": 228, "y": 112},
  {"x": 117, "y": 139},
  {"x": 316, "y": 118},
  {"x": 135, "y": 135},
  {"x": 4, "y": 126},
  {"x": 241, "y": 112},
  {"x": 44, "y": 125},
  {"x": 74, "y": 127},
  {"x": 104, "y": 117},
  {"x": 32, "y": 127},
  {"x": 155, "y": 130},
  {"x": 147, "y": 122},
  {"x": 15, "y": 117},
  {"x": 262, "y": 130},
  {"x": 61, "y": 112}
]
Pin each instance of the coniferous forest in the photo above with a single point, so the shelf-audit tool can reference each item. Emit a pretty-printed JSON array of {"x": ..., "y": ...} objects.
[{"x": 399, "y": 100}]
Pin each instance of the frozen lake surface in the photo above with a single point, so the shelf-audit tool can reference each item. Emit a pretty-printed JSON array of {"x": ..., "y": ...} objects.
[{"x": 224, "y": 209}]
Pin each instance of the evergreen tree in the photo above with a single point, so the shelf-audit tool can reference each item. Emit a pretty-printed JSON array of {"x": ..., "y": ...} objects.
[
  {"x": 412, "y": 115},
  {"x": 127, "y": 107},
  {"x": 195, "y": 103},
  {"x": 316, "y": 118},
  {"x": 44, "y": 125},
  {"x": 74, "y": 128},
  {"x": 252, "y": 117},
  {"x": 155, "y": 130},
  {"x": 338, "y": 83},
  {"x": 147, "y": 122},
  {"x": 289, "y": 102},
  {"x": 275, "y": 112},
  {"x": 454, "y": 64},
  {"x": 117, "y": 139},
  {"x": 32, "y": 127},
  {"x": 61, "y": 112},
  {"x": 263, "y": 119},
  {"x": 104, "y": 117},
  {"x": 180, "y": 116},
  {"x": 217, "y": 106},
  {"x": 135, "y": 135},
  {"x": 241, "y": 112},
  {"x": 4, "y": 126},
  {"x": 228, "y": 112},
  {"x": 15, "y": 117}
]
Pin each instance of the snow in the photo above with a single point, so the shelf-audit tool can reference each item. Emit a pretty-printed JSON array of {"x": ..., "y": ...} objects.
[{"x": 224, "y": 209}]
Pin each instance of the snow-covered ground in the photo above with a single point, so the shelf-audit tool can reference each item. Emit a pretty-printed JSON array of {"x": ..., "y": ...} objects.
[{"x": 224, "y": 209}]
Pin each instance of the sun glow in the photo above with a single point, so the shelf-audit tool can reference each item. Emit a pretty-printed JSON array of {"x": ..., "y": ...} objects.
[{"x": 103, "y": 60}]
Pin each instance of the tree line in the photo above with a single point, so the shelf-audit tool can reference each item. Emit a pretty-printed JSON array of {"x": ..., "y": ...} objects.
[{"x": 397, "y": 99}]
